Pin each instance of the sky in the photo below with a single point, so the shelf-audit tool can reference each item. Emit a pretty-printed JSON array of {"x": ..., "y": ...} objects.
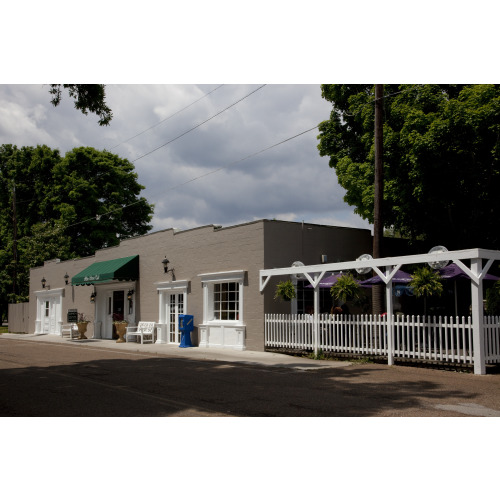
[
  {"x": 161, "y": 58},
  {"x": 217, "y": 173}
]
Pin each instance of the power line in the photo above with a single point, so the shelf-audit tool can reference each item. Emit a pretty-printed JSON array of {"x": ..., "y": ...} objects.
[
  {"x": 98, "y": 217},
  {"x": 168, "y": 117},
  {"x": 199, "y": 124},
  {"x": 242, "y": 159},
  {"x": 374, "y": 100}
]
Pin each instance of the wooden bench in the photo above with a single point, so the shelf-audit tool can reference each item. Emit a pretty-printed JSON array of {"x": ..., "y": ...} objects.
[
  {"x": 143, "y": 329},
  {"x": 70, "y": 330}
]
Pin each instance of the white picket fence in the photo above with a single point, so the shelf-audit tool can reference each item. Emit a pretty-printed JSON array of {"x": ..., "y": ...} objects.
[{"x": 439, "y": 339}]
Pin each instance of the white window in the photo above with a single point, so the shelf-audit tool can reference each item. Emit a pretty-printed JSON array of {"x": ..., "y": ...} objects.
[
  {"x": 226, "y": 301},
  {"x": 223, "y": 297}
]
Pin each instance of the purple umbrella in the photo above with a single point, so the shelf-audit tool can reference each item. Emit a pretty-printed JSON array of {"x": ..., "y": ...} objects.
[
  {"x": 399, "y": 277},
  {"x": 453, "y": 272},
  {"x": 329, "y": 281}
]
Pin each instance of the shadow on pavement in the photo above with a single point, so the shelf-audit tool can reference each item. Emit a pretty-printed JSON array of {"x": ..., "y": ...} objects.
[{"x": 123, "y": 384}]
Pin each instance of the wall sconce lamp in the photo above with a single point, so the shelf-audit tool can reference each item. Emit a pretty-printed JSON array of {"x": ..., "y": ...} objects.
[
  {"x": 92, "y": 296},
  {"x": 66, "y": 278},
  {"x": 165, "y": 263},
  {"x": 129, "y": 294},
  {"x": 166, "y": 270},
  {"x": 43, "y": 282}
]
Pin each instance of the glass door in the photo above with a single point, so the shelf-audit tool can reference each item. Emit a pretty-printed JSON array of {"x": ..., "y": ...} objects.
[
  {"x": 46, "y": 316},
  {"x": 175, "y": 306}
]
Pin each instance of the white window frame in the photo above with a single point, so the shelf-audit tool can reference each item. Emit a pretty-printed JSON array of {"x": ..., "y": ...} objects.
[{"x": 208, "y": 282}]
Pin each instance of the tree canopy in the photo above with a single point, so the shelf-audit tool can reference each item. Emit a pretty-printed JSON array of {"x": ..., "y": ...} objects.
[
  {"x": 87, "y": 97},
  {"x": 441, "y": 158},
  {"x": 65, "y": 207}
]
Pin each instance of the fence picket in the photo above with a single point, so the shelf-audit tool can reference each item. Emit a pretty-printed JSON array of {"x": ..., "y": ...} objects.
[{"x": 441, "y": 339}]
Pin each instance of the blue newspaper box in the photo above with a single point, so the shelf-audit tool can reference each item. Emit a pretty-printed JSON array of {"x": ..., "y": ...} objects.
[{"x": 186, "y": 325}]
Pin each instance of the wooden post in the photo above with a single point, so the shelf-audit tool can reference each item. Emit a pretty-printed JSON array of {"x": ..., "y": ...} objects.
[{"x": 378, "y": 223}]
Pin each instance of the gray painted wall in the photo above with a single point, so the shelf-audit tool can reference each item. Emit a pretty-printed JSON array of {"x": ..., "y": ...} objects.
[{"x": 249, "y": 247}]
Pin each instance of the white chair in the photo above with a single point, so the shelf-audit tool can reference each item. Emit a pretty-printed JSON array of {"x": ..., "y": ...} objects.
[
  {"x": 71, "y": 330},
  {"x": 143, "y": 329}
]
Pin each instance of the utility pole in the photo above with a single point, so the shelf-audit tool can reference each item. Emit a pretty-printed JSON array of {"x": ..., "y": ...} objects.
[
  {"x": 378, "y": 223},
  {"x": 14, "y": 245}
]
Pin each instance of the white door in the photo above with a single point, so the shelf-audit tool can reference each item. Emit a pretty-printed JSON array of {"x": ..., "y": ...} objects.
[
  {"x": 46, "y": 310},
  {"x": 175, "y": 306},
  {"x": 115, "y": 309},
  {"x": 49, "y": 314}
]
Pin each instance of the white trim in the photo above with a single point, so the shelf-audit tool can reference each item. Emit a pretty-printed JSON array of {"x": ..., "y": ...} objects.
[
  {"x": 216, "y": 332},
  {"x": 165, "y": 289},
  {"x": 172, "y": 285},
  {"x": 222, "y": 276},
  {"x": 102, "y": 319},
  {"x": 53, "y": 291},
  {"x": 54, "y": 297},
  {"x": 455, "y": 256}
]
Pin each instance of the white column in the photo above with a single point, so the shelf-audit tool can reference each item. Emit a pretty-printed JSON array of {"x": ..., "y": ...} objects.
[
  {"x": 390, "y": 326},
  {"x": 478, "y": 319},
  {"x": 161, "y": 328},
  {"x": 316, "y": 320}
]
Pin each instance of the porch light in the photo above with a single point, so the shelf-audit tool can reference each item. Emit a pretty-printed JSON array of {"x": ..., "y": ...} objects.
[
  {"x": 129, "y": 294},
  {"x": 165, "y": 263},
  {"x": 166, "y": 270},
  {"x": 43, "y": 282},
  {"x": 66, "y": 278},
  {"x": 92, "y": 296}
]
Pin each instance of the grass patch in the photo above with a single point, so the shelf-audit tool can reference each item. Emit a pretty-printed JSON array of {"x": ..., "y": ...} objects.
[{"x": 4, "y": 329}]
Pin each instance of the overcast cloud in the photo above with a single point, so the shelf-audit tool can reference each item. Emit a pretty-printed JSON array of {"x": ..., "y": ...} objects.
[
  {"x": 268, "y": 42},
  {"x": 290, "y": 181}
]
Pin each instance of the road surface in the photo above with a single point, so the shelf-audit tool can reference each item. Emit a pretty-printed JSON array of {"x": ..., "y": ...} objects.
[{"x": 77, "y": 379}]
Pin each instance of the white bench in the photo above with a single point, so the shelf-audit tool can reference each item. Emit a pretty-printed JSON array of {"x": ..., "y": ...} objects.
[
  {"x": 71, "y": 330},
  {"x": 143, "y": 329}
]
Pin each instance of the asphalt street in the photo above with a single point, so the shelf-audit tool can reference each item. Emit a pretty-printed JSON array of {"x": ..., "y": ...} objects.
[{"x": 53, "y": 378}]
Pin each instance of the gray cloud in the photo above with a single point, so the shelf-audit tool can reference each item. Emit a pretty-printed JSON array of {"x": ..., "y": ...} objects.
[{"x": 290, "y": 181}]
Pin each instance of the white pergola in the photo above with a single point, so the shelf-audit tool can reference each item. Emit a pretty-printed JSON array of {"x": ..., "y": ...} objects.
[{"x": 386, "y": 269}]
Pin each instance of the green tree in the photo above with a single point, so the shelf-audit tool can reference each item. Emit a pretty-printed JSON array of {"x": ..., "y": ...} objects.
[
  {"x": 96, "y": 196},
  {"x": 87, "y": 97},
  {"x": 62, "y": 208},
  {"x": 441, "y": 158},
  {"x": 24, "y": 175}
]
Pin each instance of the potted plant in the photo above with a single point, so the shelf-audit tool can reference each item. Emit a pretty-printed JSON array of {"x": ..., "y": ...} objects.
[
  {"x": 81, "y": 324},
  {"x": 425, "y": 283},
  {"x": 120, "y": 326},
  {"x": 345, "y": 288},
  {"x": 285, "y": 290}
]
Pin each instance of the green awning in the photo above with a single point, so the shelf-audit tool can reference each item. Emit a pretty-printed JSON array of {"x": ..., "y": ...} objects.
[{"x": 124, "y": 269}]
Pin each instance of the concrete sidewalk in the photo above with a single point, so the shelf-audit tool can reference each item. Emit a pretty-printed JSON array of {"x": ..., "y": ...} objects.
[{"x": 212, "y": 354}]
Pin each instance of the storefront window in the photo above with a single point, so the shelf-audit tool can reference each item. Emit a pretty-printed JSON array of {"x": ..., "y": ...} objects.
[
  {"x": 223, "y": 296},
  {"x": 226, "y": 301}
]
